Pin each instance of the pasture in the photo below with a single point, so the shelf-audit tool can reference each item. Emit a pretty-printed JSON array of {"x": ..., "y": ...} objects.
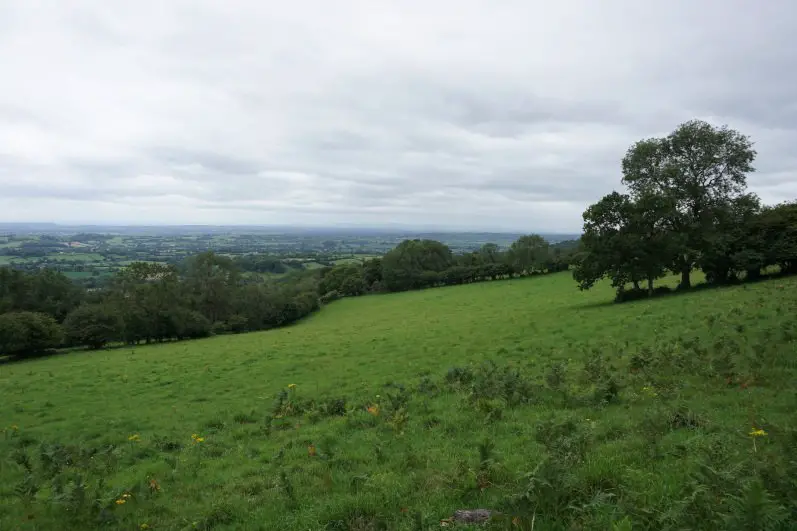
[{"x": 551, "y": 406}]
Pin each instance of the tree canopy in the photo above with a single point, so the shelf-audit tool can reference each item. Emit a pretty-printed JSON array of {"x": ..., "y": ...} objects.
[{"x": 687, "y": 207}]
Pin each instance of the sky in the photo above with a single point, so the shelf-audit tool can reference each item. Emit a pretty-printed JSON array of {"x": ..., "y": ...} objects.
[{"x": 451, "y": 114}]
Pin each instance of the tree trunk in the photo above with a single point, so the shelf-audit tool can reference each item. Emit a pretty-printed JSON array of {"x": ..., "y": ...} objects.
[
  {"x": 650, "y": 286},
  {"x": 686, "y": 281},
  {"x": 636, "y": 285}
]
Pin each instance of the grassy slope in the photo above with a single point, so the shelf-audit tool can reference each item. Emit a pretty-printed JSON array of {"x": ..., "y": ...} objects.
[{"x": 224, "y": 387}]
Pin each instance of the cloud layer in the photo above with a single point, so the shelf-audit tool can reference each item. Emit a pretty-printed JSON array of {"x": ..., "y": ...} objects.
[{"x": 461, "y": 114}]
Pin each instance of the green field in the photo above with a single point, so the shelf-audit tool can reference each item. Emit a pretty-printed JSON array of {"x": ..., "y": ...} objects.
[
  {"x": 7, "y": 260},
  {"x": 71, "y": 256},
  {"x": 593, "y": 416}
]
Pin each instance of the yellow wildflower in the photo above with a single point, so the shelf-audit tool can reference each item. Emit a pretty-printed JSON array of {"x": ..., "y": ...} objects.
[
  {"x": 373, "y": 410},
  {"x": 121, "y": 501},
  {"x": 14, "y": 427},
  {"x": 758, "y": 433},
  {"x": 197, "y": 438},
  {"x": 291, "y": 386},
  {"x": 134, "y": 437},
  {"x": 144, "y": 526}
]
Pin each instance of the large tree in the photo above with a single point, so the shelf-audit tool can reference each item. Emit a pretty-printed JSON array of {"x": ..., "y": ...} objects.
[
  {"x": 698, "y": 168},
  {"x": 625, "y": 240},
  {"x": 27, "y": 333},
  {"x": 212, "y": 280},
  {"x": 776, "y": 231},
  {"x": 732, "y": 247},
  {"x": 148, "y": 295},
  {"x": 529, "y": 253},
  {"x": 44, "y": 291},
  {"x": 403, "y": 266}
]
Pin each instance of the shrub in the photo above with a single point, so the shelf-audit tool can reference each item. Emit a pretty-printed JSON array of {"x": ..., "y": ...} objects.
[
  {"x": 26, "y": 333},
  {"x": 237, "y": 323},
  {"x": 568, "y": 439},
  {"x": 329, "y": 297},
  {"x": 191, "y": 324},
  {"x": 459, "y": 376},
  {"x": 94, "y": 325},
  {"x": 219, "y": 328}
]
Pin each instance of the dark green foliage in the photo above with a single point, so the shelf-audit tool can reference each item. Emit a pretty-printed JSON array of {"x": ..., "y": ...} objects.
[
  {"x": 149, "y": 302},
  {"x": 687, "y": 208},
  {"x": 44, "y": 291},
  {"x": 490, "y": 382},
  {"x": 94, "y": 325},
  {"x": 335, "y": 407},
  {"x": 776, "y": 231},
  {"x": 567, "y": 440},
  {"x": 402, "y": 267},
  {"x": 420, "y": 264},
  {"x": 697, "y": 169},
  {"x": 27, "y": 333},
  {"x": 190, "y": 324},
  {"x": 529, "y": 253},
  {"x": 260, "y": 263},
  {"x": 328, "y": 297},
  {"x": 347, "y": 280}
]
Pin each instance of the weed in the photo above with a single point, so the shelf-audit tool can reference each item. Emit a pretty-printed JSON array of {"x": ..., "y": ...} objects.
[
  {"x": 556, "y": 375},
  {"x": 566, "y": 439}
]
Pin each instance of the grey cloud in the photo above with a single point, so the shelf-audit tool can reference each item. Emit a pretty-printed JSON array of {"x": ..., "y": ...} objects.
[
  {"x": 463, "y": 114},
  {"x": 212, "y": 162}
]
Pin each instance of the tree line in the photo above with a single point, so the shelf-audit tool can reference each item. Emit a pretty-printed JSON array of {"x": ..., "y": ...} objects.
[
  {"x": 423, "y": 263},
  {"x": 146, "y": 302},
  {"x": 207, "y": 293},
  {"x": 687, "y": 208}
]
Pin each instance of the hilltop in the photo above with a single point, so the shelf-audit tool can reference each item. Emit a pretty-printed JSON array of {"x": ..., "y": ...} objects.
[{"x": 526, "y": 396}]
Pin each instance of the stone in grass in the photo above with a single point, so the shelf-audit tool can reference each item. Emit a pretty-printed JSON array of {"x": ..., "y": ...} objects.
[{"x": 468, "y": 516}]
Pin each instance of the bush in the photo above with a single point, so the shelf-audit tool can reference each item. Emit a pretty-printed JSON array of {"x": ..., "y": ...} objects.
[
  {"x": 329, "y": 297},
  {"x": 191, "y": 324},
  {"x": 94, "y": 325},
  {"x": 237, "y": 323},
  {"x": 26, "y": 333}
]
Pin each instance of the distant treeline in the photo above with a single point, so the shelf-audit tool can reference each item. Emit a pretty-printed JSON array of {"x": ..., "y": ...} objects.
[
  {"x": 418, "y": 264},
  {"x": 207, "y": 294},
  {"x": 687, "y": 208},
  {"x": 146, "y": 302}
]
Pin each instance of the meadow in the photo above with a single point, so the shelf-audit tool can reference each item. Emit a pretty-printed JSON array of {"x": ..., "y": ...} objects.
[{"x": 552, "y": 407}]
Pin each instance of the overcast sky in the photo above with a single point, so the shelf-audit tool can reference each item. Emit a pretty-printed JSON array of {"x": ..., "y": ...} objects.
[{"x": 494, "y": 114}]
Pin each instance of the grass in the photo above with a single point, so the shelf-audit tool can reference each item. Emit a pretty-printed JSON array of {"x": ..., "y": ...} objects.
[{"x": 525, "y": 396}]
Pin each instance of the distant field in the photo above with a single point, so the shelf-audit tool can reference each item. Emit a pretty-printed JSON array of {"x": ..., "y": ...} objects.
[
  {"x": 6, "y": 260},
  {"x": 83, "y": 257},
  {"x": 78, "y": 274},
  {"x": 357, "y": 260},
  {"x": 595, "y": 415}
]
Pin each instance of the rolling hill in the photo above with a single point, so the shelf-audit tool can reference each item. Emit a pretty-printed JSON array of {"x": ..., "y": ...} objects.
[{"x": 553, "y": 407}]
